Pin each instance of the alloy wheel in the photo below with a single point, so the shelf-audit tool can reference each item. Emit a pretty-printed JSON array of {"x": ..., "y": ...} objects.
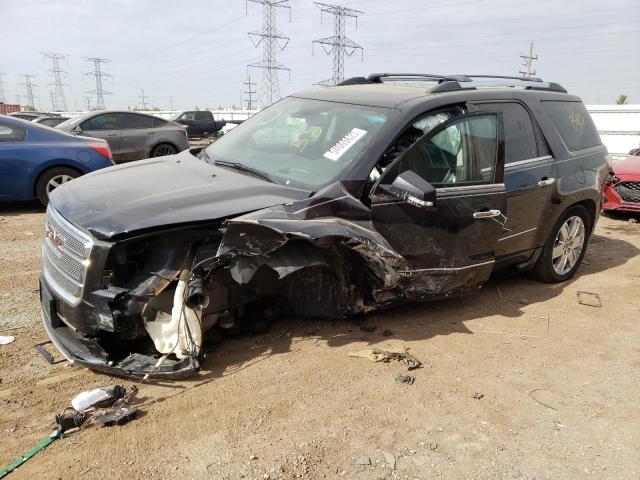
[
  {"x": 163, "y": 150},
  {"x": 568, "y": 245},
  {"x": 56, "y": 181}
]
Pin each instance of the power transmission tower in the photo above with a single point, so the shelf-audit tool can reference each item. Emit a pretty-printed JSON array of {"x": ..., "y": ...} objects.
[
  {"x": 528, "y": 63},
  {"x": 250, "y": 93},
  {"x": 88, "y": 100},
  {"x": 52, "y": 95},
  {"x": 339, "y": 44},
  {"x": 143, "y": 98},
  {"x": 3, "y": 95},
  {"x": 59, "y": 101},
  {"x": 98, "y": 74},
  {"x": 29, "y": 86},
  {"x": 271, "y": 40}
]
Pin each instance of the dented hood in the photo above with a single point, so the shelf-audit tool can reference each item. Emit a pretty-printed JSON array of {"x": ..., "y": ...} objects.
[{"x": 164, "y": 191}]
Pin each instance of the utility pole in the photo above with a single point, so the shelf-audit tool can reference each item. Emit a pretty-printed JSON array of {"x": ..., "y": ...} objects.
[
  {"x": 59, "y": 101},
  {"x": 339, "y": 44},
  {"x": 171, "y": 103},
  {"x": 3, "y": 95},
  {"x": 29, "y": 86},
  {"x": 271, "y": 39},
  {"x": 528, "y": 63},
  {"x": 53, "y": 100},
  {"x": 144, "y": 99},
  {"x": 250, "y": 93},
  {"x": 98, "y": 74},
  {"x": 88, "y": 100}
]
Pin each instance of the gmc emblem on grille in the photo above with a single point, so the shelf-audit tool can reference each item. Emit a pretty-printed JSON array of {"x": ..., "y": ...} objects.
[{"x": 55, "y": 240}]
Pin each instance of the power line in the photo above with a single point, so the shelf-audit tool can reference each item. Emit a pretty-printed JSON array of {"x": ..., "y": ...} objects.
[
  {"x": 528, "y": 62},
  {"x": 28, "y": 84},
  {"x": 339, "y": 44},
  {"x": 143, "y": 98},
  {"x": 3, "y": 95},
  {"x": 249, "y": 92},
  {"x": 271, "y": 39},
  {"x": 98, "y": 74},
  {"x": 59, "y": 101}
]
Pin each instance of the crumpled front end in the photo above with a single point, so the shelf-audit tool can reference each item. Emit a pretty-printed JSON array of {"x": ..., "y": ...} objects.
[{"x": 148, "y": 305}]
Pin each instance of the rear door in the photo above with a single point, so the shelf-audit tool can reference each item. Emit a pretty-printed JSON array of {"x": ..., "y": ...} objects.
[
  {"x": 529, "y": 179},
  {"x": 451, "y": 246},
  {"x": 137, "y": 136},
  {"x": 106, "y": 126}
]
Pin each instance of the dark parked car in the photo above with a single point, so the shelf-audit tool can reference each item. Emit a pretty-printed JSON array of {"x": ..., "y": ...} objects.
[
  {"x": 200, "y": 123},
  {"x": 131, "y": 136},
  {"x": 331, "y": 202},
  {"x": 34, "y": 160},
  {"x": 50, "y": 121}
]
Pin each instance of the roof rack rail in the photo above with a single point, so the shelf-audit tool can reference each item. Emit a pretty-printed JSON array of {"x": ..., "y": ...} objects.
[{"x": 448, "y": 83}]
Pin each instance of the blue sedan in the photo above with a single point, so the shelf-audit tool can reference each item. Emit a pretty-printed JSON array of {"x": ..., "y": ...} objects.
[{"x": 35, "y": 159}]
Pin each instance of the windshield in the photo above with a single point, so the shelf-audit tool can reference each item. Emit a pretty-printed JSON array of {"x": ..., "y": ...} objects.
[{"x": 300, "y": 142}]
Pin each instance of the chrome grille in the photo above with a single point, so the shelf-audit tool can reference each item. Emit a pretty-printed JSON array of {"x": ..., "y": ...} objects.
[
  {"x": 65, "y": 256},
  {"x": 629, "y": 191}
]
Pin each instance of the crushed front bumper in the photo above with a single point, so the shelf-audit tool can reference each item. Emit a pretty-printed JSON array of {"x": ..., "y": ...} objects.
[{"x": 81, "y": 350}]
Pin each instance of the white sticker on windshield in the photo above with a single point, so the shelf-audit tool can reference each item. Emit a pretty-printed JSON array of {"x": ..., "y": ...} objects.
[{"x": 344, "y": 144}]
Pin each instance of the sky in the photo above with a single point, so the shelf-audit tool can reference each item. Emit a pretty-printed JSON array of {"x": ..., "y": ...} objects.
[{"x": 194, "y": 53}]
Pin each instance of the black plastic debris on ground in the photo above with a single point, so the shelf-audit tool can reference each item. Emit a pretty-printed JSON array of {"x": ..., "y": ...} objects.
[
  {"x": 115, "y": 417},
  {"x": 406, "y": 379}
]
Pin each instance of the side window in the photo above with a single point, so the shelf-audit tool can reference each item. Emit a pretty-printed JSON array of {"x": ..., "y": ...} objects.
[
  {"x": 158, "y": 122},
  {"x": 519, "y": 133},
  {"x": 11, "y": 134},
  {"x": 574, "y": 124},
  {"x": 188, "y": 116},
  {"x": 462, "y": 152},
  {"x": 131, "y": 120},
  {"x": 106, "y": 121},
  {"x": 206, "y": 116}
]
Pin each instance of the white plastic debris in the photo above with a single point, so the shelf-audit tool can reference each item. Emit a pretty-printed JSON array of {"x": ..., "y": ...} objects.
[
  {"x": 100, "y": 397},
  {"x": 6, "y": 340}
]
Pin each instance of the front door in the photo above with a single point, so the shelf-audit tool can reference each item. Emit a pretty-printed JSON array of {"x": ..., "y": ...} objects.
[
  {"x": 106, "y": 126},
  {"x": 449, "y": 247},
  {"x": 137, "y": 136}
]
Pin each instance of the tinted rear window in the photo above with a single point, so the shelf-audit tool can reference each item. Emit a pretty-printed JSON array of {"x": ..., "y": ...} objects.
[
  {"x": 574, "y": 124},
  {"x": 131, "y": 120},
  {"x": 11, "y": 134}
]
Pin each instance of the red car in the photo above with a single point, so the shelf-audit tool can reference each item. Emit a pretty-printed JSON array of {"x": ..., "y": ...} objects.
[{"x": 622, "y": 191}]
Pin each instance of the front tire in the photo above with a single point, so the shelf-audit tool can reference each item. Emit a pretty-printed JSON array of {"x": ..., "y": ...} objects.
[
  {"x": 163, "y": 149},
  {"x": 563, "y": 252},
  {"x": 51, "y": 179}
]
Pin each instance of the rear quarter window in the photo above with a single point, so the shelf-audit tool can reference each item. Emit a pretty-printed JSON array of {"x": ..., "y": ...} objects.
[
  {"x": 574, "y": 124},
  {"x": 11, "y": 134}
]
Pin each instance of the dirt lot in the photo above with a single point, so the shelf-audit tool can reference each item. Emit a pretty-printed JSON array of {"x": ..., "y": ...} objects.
[{"x": 504, "y": 392}]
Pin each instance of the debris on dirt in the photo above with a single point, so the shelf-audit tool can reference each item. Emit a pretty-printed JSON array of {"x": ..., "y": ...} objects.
[
  {"x": 6, "y": 339},
  {"x": 433, "y": 446},
  {"x": 478, "y": 396},
  {"x": 38, "y": 448},
  {"x": 547, "y": 403},
  {"x": 115, "y": 417},
  {"x": 390, "y": 458},
  {"x": 368, "y": 328},
  {"x": 589, "y": 299},
  {"x": 362, "y": 460},
  {"x": 408, "y": 379},
  {"x": 387, "y": 333},
  {"x": 98, "y": 398},
  {"x": 377, "y": 355},
  {"x": 69, "y": 419},
  {"x": 633, "y": 220}
]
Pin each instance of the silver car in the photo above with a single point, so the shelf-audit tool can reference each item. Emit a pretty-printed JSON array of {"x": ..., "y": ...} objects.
[{"x": 131, "y": 136}]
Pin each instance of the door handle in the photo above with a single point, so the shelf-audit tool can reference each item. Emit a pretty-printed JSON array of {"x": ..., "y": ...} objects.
[
  {"x": 112, "y": 135},
  {"x": 487, "y": 214},
  {"x": 545, "y": 182}
]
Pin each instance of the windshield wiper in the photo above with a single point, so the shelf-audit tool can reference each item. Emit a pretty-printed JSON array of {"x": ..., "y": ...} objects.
[{"x": 244, "y": 168}]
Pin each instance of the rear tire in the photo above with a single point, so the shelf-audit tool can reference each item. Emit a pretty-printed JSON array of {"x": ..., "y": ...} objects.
[
  {"x": 51, "y": 179},
  {"x": 564, "y": 249},
  {"x": 163, "y": 149}
]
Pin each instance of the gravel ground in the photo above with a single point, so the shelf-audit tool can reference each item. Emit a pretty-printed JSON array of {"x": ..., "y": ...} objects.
[{"x": 519, "y": 381}]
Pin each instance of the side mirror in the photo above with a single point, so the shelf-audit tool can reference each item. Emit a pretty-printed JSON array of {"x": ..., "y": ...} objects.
[
  {"x": 77, "y": 129},
  {"x": 413, "y": 189}
]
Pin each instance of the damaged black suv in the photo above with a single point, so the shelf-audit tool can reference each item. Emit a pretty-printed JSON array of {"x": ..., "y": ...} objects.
[{"x": 332, "y": 202}]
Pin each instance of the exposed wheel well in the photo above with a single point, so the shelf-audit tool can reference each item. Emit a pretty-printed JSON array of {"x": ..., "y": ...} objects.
[{"x": 35, "y": 183}]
